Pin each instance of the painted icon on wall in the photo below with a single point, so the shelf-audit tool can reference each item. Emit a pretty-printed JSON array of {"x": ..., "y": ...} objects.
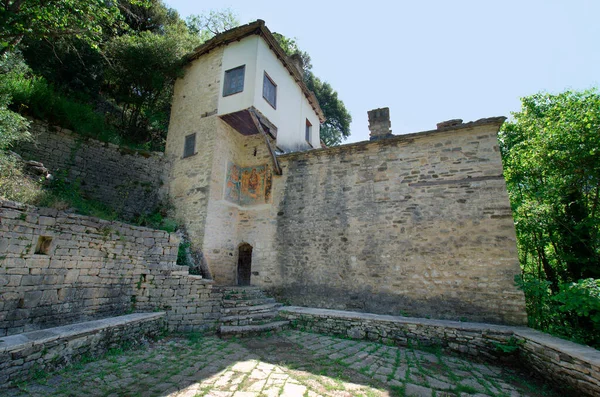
[{"x": 248, "y": 185}]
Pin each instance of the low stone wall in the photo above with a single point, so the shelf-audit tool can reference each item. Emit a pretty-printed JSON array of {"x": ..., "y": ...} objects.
[
  {"x": 130, "y": 181},
  {"x": 56, "y": 348},
  {"x": 560, "y": 362},
  {"x": 58, "y": 268}
]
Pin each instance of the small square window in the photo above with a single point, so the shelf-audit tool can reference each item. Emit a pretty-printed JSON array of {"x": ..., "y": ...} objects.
[
  {"x": 308, "y": 131},
  {"x": 234, "y": 80},
  {"x": 190, "y": 145},
  {"x": 270, "y": 91}
]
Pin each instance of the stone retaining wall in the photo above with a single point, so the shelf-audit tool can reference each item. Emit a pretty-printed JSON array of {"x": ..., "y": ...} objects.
[
  {"x": 559, "y": 361},
  {"x": 58, "y": 268},
  {"x": 190, "y": 302},
  {"x": 129, "y": 181},
  {"x": 21, "y": 355}
]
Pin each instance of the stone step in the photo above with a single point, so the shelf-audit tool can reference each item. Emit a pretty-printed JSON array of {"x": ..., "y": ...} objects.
[
  {"x": 242, "y": 310},
  {"x": 244, "y": 296},
  {"x": 246, "y": 302},
  {"x": 238, "y": 289},
  {"x": 243, "y": 293},
  {"x": 250, "y": 319},
  {"x": 245, "y": 330}
]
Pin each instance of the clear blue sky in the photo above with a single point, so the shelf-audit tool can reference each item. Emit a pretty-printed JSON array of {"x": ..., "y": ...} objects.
[{"x": 430, "y": 61}]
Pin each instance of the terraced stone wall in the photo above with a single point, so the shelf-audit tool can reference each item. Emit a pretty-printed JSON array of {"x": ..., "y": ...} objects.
[
  {"x": 58, "y": 268},
  {"x": 129, "y": 181}
]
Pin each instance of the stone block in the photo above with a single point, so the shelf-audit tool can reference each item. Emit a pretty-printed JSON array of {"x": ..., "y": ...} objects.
[{"x": 46, "y": 221}]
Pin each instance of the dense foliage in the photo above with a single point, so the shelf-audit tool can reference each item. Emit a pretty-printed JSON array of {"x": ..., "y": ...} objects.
[
  {"x": 551, "y": 154},
  {"x": 87, "y": 20},
  {"x": 103, "y": 69},
  {"x": 107, "y": 69},
  {"x": 337, "y": 126}
]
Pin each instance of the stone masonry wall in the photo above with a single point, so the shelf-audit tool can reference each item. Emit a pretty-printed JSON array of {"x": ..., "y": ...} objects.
[
  {"x": 561, "y": 362},
  {"x": 195, "y": 102},
  {"x": 227, "y": 222},
  {"x": 58, "y": 268},
  {"x": 54, "y": 348},
  {"x": 416, "y": 224},
  {"x": 128, "y": 181}
]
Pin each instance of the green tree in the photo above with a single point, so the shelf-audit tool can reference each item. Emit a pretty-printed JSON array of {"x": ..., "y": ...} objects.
[
  {"x": 209, "y": 25},
  {"x": 551, "y": 155},
  {"x": 143, "y": 69},
  {"x": 551, "y": 152},
  {"x": 53, "y": 19},
  {"x": 337, "y": 126}
]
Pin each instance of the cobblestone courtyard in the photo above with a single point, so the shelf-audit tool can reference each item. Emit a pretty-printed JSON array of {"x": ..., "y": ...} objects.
[{"x": 291, "y": 363}]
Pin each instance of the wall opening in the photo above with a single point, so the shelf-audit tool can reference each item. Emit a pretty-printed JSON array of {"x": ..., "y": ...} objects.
[
  {"x": 43, "y": 245},
  {"x": 244, "y": 268}
]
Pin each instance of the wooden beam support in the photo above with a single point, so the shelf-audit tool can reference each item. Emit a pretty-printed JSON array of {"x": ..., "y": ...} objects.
[{"x": 276, "y": 166}]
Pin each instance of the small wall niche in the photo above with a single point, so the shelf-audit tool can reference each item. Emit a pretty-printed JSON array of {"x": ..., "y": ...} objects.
[{"x": 43, "y": 245}]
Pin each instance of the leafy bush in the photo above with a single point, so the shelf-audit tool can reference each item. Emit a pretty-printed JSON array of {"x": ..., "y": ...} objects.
[
  {"x": 34, "y": 96},
  {"x": 540, "y": 307},
  {"x": 182, "y": 255},
  {"x": 580, "y": 303},
  {"x": 158, "y": 219},
  {"x": 573, "y": 313},
  {"x": 13, "y": 127}
]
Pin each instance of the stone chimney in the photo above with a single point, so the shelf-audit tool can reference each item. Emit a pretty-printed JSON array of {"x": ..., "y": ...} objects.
[
  {"x": 379, "y": 123},
  {"x": 298, "y": 62}
]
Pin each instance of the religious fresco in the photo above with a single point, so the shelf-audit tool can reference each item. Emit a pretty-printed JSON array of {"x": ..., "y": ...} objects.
[{"x": 248, "y": 185}]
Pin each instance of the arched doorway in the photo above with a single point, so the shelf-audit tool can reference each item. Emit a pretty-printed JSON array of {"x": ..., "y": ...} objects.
[{"x": 244, "y": 269}]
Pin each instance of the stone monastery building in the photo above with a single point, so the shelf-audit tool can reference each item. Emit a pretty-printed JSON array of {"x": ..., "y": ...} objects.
[{"x": 415, "y": 224}]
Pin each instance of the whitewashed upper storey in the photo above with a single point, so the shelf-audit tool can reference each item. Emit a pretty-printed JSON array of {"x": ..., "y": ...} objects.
[{"x": 256, "y": 74}]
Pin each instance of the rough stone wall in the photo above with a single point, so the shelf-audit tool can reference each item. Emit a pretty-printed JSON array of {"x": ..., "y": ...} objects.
[
  {"x": 90, "y": 269},
  {"x": 128, "y": 181},
  {"x": 417, "y": 225},
  {"x": 197, "y": 183},
  {"x": 195, "y": 102},
  {"x": 559, "y": 361},
  {"x": 191, "y": 303},
  {"x": 226, "y": 221},
  {"x": 55, "y": 348}
]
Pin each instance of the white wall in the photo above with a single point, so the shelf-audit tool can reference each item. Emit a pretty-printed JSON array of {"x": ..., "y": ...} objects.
[
  {"x": 292, "y": 107},
  {"x": 236, "y": 54}
]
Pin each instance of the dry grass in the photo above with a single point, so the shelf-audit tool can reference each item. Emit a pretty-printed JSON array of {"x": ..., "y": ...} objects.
[{"x": 16, "y": 184}]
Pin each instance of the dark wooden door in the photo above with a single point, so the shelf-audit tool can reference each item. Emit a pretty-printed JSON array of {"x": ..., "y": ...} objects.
[{"x": 245, "y": 264}]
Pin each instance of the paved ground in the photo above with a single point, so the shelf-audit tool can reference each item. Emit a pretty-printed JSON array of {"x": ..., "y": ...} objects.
[{"x": 291, "y": 363}]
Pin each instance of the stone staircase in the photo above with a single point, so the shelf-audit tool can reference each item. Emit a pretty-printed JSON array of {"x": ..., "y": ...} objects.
[{"x": 248, "y": 311}]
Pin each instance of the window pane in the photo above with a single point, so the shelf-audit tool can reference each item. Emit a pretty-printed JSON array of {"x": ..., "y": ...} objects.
[
  {"x": 190, "y": 145},
  {"x": 234, "y": 80},
  {"x": 269, "y": 90}
]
